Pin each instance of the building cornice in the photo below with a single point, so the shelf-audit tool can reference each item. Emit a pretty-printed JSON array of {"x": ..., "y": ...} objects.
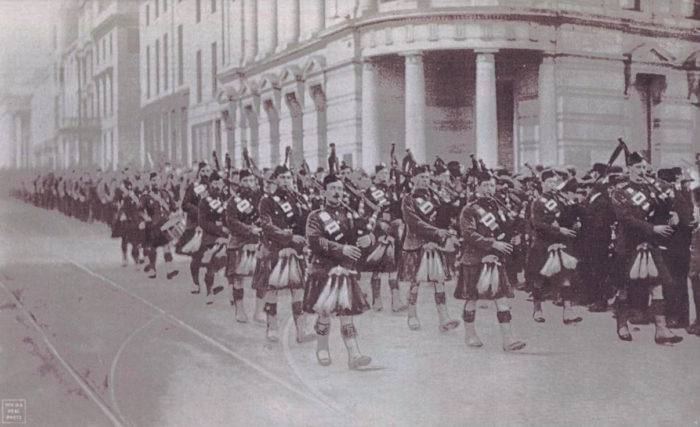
[{"x": 622, "y": 21}]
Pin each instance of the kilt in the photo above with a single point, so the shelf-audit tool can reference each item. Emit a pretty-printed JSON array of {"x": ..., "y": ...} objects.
[
  {"x": 536, "y": 259},
  {"x": 233, "y": 262},
  {"x": 663, "y": 277},
  {"x": 261, "y": 274},
  {"x": 409, "y": 263},
  {"x": 133, "y": 234},
  {"x": 281, "y": 267},
  {"x": 379, "y": 258},
  {"x": 355, "y": 301},
  {"x": 468, "y": 278},
  {"x": 118, "y": 229},
  {"x": 155, "y": 237}
]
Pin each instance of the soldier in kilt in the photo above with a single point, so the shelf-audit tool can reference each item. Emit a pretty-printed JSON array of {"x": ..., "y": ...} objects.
[
  {"x": 194, "y": 192},
  {"x": 550, "y": 263},
  {"x": 486, "y": 228},
  {"x": 644, "y": 223},
  {"x": 421, "y": 258},
  {"x": 282, "y": 218},
  {"x": 382, "y": 258},
  {"x": 244, "y": 234},
  {"x": 157, "y": 204},
  {"x": 215, "y": 234},
  {"x": 332, "y": 288}
]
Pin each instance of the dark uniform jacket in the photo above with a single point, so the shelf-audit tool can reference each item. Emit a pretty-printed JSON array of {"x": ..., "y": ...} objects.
[
  {"x": 420, "y": 215},
  {"x": 241, "y": 214},
  {"x": 328, "y": 230},
  {"x": 210, "y": 216},
  {"x": 481, "y": 223},
  {"x": 281, "y": 217}
]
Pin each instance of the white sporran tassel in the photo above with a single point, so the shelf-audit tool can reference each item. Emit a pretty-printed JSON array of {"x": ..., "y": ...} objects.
[
  {"x": 653, "y": 270},
  {"x": 439, "y": 268},
  {"x": 483, "y": 284},
  {"x": 568, "y": 261},
  {"x": 644, "y": 266},
  {"x": 422, "y": 274},
  {"x": 634, "y": 271},
  {"x": 325, "y": 294},
  {"x": 494, "y": 279},
  {"x": 344, "y": 293}
]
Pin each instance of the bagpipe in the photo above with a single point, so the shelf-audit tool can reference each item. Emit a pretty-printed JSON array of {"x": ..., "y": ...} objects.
[{"x": 300, "y": 198}]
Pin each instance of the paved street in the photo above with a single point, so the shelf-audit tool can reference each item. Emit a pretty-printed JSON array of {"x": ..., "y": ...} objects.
[{"x": 88, "y": 342}]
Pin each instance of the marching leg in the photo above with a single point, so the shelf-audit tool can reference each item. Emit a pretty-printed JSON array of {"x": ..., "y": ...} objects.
[
  {"x": 194, "y": 272},
  {"x": 396, "y": 304},
  {"x": 272, "y": 332},
  {"x": 446, "y": 323},
  {"x": 469, "y": 315},
  {"x": 413, "y": 322},
  {"x": 323, "y": 328},
  {"x": 657, "y": 308},
  {"x": 299, "y": 318},
  {"x": 695, "y": 283},
  {"x": 510, "y": 343},
  {"x": 376, "y": 283},
  {"x": 172, "y": 271},
  {"x": 355, "y": 358},
  {"x": 568, "y": 315},
  {"x": 237, "y": 300},
  {"x": 259, "y": 315}
]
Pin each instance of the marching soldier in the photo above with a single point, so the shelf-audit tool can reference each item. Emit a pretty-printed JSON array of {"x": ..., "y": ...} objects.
[
  {"x": 550, "y": 262},
  {"x": 210, "y": 218},
  {"x": 194, "y": 192},
  {"x": 332, "y": 287},
  {"x": 387, "y": 233},
  {"x": 641, "y": 231},
  {"x": 282, "y": 217},
  {"x": 241, "y": 218},
  {"x": 489, "y": 238},
  {"x": 157, "y": 205},
  {"x": 422, "y": 259}
]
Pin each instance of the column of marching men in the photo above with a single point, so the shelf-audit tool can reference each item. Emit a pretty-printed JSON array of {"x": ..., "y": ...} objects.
[{"x": 615, "y": 238}]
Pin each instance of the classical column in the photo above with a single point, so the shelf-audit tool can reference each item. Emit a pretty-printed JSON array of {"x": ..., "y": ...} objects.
[
  {"x": 485, "y": 110},
  {"x": 267, "y": 22},
  {"x": 415, "y": 106},
  {"x": 549, "y": 151},
  {"x": 250, "y": 30},
  {"x": 314, "y": 14},
  {"x": 367, "y": 6},
  {"x": 288, "y": 23},
  {"x": 371, "y": 152}
]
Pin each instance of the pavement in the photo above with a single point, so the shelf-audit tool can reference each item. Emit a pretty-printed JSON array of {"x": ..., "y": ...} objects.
[{"x": 85, "y": 341}]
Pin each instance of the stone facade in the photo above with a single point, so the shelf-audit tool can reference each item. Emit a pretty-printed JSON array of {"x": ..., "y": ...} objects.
[{"x": 513, "y": 81}]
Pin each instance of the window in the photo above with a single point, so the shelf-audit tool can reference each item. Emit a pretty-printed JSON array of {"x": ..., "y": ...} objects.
[
  {"x": 104, "y": 48},
  {"x": 97, "y": 53},
  {"x": 199, "y": 10},
  {"x": 180, "y": 65},
  {"x": 148, "y": 72},
  {"x": 213, "y": 6},
  {"x": 148, "y": 15},
  {"x": 631, "y": 5},
  {"x": 165, "y": 61},
  {"x": 696, "y": 9},
  {"x": 165, "y": 5},
  {"x": 199, "y": 76},
  {"x": 110, "y": 45},
  {"x": 213, "y": 69},
  {"x": 157, "y": 66},
  {"x": 156, "y": 9}
]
